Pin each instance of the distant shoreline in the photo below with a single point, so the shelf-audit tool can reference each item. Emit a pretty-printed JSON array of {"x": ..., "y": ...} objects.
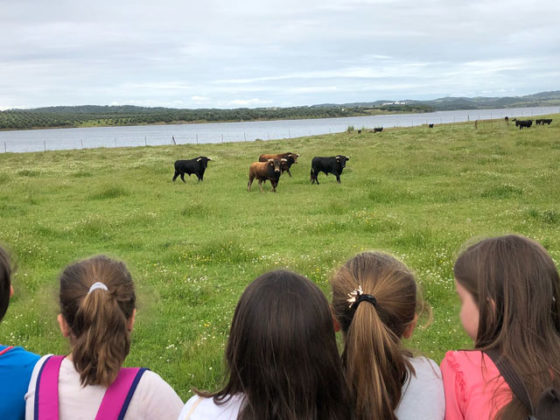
[{"x": 84, "y": 116}]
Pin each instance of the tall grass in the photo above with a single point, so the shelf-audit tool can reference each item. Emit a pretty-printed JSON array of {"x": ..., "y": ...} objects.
[{"x": 418, "y": 193}]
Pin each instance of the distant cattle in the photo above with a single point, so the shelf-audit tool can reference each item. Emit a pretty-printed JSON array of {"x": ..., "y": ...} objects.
[
  {"x": 378, "y": 129},
  {"x": 195, "y": 166},
  {"x": 290, "y": 157},
  {"x": 543, "y": 121},
  {"x": 431, "y": 125},
  {"x": 523, "y": 123},
  {"x": 262, "y": 171},
  {"x": 333, "y": 165}
]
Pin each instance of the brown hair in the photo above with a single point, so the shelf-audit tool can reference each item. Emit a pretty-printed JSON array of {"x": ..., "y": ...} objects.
[
  {"x": 516, "y": 288},
  {"x": 376, "y": 365},
  {"x": 282, "y": 354},
  {"x": 5, "y": 281},
  {"x": 97, "y": 320}
]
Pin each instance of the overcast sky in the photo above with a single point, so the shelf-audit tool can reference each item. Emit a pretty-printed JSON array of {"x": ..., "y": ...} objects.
[{"x": 253, "y": 53}]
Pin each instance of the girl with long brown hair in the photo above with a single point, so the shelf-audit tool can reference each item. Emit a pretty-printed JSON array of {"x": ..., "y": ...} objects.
[
  {"x": 375, "y": 303},
  {"x": 282, "y": 359},
  {"x": 97, "y": 312},
  {"x": 510, "y": 306}
]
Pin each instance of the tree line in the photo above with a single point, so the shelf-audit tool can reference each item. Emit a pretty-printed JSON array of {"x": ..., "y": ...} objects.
[{"x": 91, "y": 115}]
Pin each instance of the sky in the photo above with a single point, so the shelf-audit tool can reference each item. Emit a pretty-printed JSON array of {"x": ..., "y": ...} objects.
[{"x": 260, "y": 53}]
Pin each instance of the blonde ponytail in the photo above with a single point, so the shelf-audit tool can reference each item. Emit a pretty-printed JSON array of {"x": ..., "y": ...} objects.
[
  {"x": 98, "y": 319},
  {"x": 376, "y": 366}
]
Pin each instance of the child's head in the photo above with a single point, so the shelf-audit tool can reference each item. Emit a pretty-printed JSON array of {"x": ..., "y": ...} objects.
[
  {"x": 97, "y": 305},
  {"x": 511, "y": 288},
  {"x": 511, "y": 284},
  {"x": 282, "y": 352},
  {"x": 5, "y": 282},
  {"x": 375, "y": 303}
]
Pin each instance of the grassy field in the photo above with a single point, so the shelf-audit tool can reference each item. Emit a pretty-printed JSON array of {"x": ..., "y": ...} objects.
[{"x": 417, "y": 193}]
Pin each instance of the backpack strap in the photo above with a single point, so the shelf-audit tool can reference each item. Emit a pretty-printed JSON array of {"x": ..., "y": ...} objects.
[
  {"x": 6, "y": 350},
  {"x": 117, "y": 397},
  {"x": 46, "y": 389},
  {"x": 512, "y": 379},
  {"x": 193, "y": 407}
]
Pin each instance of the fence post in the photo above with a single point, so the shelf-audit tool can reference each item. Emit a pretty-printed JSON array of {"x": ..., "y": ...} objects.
[
  {"x": 244, "y": 136},
  {"x": 5, "y": 148},
  {"x": 45, "y": 144}
]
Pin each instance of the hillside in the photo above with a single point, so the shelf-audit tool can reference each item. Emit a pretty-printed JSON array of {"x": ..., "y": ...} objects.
[{"x": 94, "y": 115}]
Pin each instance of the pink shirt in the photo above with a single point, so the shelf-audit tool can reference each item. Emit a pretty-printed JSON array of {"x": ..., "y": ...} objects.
[{"x": 473, "y": 386}]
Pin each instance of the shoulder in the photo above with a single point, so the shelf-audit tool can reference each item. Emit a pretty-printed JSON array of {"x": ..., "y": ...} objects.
[
  {"x": 154, "y": 398},
  {"x": 20, "y": 356},
  {"x": 200, "y": 408},
  {"x": 151, "y": 383},
  {"x": 422, "y": 385},
  {"x": 470, "y": 364}
]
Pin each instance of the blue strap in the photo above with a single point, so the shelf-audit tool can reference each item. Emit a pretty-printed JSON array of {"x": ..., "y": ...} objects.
[{"x": 131, "y": 392}]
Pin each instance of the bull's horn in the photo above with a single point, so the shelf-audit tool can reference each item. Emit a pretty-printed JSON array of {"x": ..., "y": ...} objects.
[
  {"x": 198, "y": 160},
  {"x": 271, "y": 160},
  {"x": 283, "y": 160}
]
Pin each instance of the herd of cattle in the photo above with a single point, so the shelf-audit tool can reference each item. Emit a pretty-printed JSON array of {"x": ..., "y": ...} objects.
[
  {"x": 271, "y": 166},
  {"x": 268, "y": 168},
  {"x": 529, "y": 123}
]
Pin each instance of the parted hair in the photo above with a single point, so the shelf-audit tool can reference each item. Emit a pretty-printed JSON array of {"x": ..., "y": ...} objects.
[
  {"x": 282, "y": 353},
  {"x": 515, "y": 285},
  {"x": 98, "y": 320},
  {"x": 375, "y": 363},
  {"x": 5, "y": 281}
]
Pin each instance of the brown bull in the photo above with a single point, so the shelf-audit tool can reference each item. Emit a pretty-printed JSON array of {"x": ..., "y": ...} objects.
[
  {"x": 290, "y": 158},
  {"x": 271, "y": 170}
]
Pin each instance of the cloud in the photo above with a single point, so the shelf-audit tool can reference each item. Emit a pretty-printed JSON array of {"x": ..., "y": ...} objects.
[{"x": 289, "y": 52}]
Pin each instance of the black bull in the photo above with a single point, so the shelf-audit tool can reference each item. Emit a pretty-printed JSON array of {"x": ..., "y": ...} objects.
[
  {"x": 333, "y": 165},
  {"x": 195, "y": 166}
]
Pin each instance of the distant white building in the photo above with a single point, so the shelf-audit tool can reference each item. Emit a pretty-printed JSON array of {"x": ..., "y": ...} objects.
[{"x": 395, "y": 103}]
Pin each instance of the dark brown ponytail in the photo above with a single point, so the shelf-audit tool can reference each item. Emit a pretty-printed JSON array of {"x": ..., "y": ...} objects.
[
  {"x": 5, "y": 281},
  {"x": 98, "y": 320}
]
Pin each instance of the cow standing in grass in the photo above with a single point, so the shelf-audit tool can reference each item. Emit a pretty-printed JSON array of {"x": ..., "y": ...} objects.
[
  {"x": 290, "y": 157},
  {"x": 195, "y": 166},
  {"x": 262, "y": 171},
  {"x": 523, "y": 123},
  {"x": 333, "y": 165}
]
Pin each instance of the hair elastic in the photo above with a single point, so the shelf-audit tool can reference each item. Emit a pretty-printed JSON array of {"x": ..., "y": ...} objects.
[
  {"x": 357, "y": 296},
  {"x": 97, "y": 285}
]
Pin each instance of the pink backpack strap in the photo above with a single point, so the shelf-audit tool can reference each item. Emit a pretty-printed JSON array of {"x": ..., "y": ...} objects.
[
  {"x": 117, "y": 397},
  {"x": 6, "y": 350},
  {"x": 46, "y": 389}
]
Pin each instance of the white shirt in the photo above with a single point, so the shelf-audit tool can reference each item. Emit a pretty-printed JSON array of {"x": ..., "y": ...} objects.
[
  {"x": 207, "y": 409},
  {"x": 422, "y": 395},
  {"x": 422, "y": 398},
  {"x": 152, "y": 399}
]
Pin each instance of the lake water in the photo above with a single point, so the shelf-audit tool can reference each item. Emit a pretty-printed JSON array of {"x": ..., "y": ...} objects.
[{"x": 156, "y": 135}]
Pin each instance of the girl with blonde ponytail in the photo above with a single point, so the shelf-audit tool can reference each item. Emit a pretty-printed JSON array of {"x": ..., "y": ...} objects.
[
  {"x": 97, "y": 311},
  {"x": 375, "y": 304}
]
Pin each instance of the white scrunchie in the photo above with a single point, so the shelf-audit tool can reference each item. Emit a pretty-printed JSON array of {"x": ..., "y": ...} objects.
[{"x": 97, "y": 285}]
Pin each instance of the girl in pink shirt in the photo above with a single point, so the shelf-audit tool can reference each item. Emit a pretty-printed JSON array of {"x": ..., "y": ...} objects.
[{"x": 510, "y": 304}]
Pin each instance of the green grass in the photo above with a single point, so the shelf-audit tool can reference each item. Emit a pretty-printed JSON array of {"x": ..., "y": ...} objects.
[{"x": 192, "y": 248}]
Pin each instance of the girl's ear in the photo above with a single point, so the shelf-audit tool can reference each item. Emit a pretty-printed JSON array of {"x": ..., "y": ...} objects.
[
  {"x": 64, "y": 327},
  {"x": 130, "y": 322},
  {"x": 335, "y": 323},
  {"x": 11, "y": 290},
  {"x": 410, "y": 327}
]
